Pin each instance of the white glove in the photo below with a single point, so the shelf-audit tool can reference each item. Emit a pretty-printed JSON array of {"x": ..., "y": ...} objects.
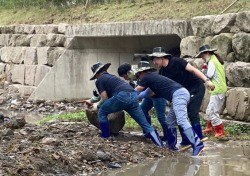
[
  {"x": 94, "y": 107},
  {"x": 209, "y": 85}
]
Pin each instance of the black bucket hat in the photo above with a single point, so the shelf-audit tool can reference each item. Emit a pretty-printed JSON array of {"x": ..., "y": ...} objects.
[
  {"x": 205, "y": 48},
  {"x": 97, "y": 67},
  {"x": 158, "y": 52}
]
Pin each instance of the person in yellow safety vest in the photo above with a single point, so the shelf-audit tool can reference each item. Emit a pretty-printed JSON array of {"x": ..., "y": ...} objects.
[{"x": 216, "y": 73}]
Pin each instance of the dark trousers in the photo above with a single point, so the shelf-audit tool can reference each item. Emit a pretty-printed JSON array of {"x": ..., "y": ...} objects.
[{"x": 197, "y": 94}]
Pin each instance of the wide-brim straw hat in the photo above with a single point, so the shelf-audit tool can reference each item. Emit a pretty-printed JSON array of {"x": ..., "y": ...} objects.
[
  {"x": 158, "y": 52},
  {"x": 205, "y": 48},
  {"x": 97, "y": 67}
]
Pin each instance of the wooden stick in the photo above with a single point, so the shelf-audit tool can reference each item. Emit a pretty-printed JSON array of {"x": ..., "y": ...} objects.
[
  {"x": 189, "y": 146},
  {"x": 86, "y": 4},
  {"x": 229, "y": 6}
]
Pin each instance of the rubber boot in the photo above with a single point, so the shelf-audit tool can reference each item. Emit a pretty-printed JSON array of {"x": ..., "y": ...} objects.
[
  {"x": 209, "y": 128},
  {"x": 155, "y": 138},
  {"x": 198, "y": 130},
  {"x": 219, "y": 131},
  {"x": 172, "y": 138},
  {"x": 184, "y": 141},
  {"x": 165, "y": 134},
  {"x": 148, "y": 118},
  {"x": 104, "y": 127},
  {"x": 195, "y": 141}
]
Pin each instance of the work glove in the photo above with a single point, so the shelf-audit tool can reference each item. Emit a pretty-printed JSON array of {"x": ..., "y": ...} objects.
[
  {"x": 87, "y": 104},
  {"x": 90, "y": 106},
  {"x": 95, "y": 99},
  {"x": 94, "y": 107},
  {"x": 209, "y": 85},
  {"x": 99, "y": 104}
]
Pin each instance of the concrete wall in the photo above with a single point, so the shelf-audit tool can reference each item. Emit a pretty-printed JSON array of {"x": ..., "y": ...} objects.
[{"x": 69, "y": 78}]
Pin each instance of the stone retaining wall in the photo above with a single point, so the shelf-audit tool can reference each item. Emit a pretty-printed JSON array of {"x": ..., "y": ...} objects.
[
  {"x": 230, "y": 34},
  {"x": 29, "y": 52}
]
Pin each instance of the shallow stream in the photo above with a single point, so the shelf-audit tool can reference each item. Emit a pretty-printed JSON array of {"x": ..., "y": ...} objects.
[{"x": 231, "y": 158}]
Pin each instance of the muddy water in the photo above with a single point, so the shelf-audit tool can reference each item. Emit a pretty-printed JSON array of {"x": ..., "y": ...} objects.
[{"x": 220, "y": 159}]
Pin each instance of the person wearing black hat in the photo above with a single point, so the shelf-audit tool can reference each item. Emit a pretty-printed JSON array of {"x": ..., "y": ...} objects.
[
  {"x": 179, "y": 96},
  {"x": 125, "y": 70},
  {"x": 189, "y": 77},
  {"x": 117, "y": 95},
  {"x": 215, "y": 72}
]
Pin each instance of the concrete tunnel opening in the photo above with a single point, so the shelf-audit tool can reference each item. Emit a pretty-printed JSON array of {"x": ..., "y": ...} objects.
[
  {"x": 135, "y": 44},
  {"x": 69, "y": 78}
]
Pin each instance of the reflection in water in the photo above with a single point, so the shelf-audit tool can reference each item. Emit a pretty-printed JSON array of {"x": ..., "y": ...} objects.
[{"x": 223, "y": 162}]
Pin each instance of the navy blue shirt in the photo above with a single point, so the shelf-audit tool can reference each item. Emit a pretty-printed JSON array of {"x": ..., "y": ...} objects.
[
  {"x": 111, "y": 84},
  {"x": 176, "y": 70},
  {"x": 160, "y": 85}
]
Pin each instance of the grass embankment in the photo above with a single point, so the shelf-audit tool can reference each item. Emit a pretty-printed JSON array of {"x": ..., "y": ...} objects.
[
  {"x": 54, "y": 12},
  {"x": 236, "y": 131}
]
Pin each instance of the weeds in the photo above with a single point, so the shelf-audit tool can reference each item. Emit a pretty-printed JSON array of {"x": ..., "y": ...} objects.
[
  {"x": 131, "y": 123},
  {"x": 238, "y": 131},
  {"x": 75, "y": 117}
]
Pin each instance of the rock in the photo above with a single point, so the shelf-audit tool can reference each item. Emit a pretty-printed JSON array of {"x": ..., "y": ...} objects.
[
  {"x": 243, "y": 21},
  {"x": 223, "y": 23},
  {"x": 16, "y": 122},
  {"x": 241, "y": 45},
  {"x": 102, "y": 156},
  {"x": 237, "y": 74},
  {"x": 7, "y": 132},
  {"x": 189, "y": 46},
  {"x": 201, "y": 25},
  {"x": 50, "y": 141},
  {"x": 116, "y": 120},
  {"x": 238, "y": 103},
  {"x": 223, "y": 44}
]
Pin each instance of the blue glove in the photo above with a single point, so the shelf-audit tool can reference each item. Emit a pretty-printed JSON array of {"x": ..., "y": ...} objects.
[{"x": 145, "y": 94}]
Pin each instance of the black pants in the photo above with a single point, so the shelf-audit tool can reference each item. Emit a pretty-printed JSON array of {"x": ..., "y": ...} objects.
[{"x": 197, "y": 93}]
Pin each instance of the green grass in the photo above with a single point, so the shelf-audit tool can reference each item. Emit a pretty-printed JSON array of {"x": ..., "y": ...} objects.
[
  {"x": 131, "y": 124},
  {"x": 237, "y": 131},
  {"x": 117, "y": 11},
  {"x": 75, "y": 117}
]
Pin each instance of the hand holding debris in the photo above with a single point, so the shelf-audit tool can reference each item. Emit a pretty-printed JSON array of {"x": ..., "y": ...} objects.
[
  {"x": 87, "y": 103},
  {"x": 209, "y": 85}
]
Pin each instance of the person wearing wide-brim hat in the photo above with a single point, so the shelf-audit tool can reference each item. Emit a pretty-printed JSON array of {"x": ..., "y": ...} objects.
[
  {"x": 159, "y": 52},
  {"x": 204, "y": 49},
  {"x": 189, "y": 77},
  {"x": 117, "y": 95},
  {"x": 148, "y": 102},
  {"x": 99, "y": 67},
  {"x": 216, "y": 73},
  {"x": 179, "y": 96}
]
